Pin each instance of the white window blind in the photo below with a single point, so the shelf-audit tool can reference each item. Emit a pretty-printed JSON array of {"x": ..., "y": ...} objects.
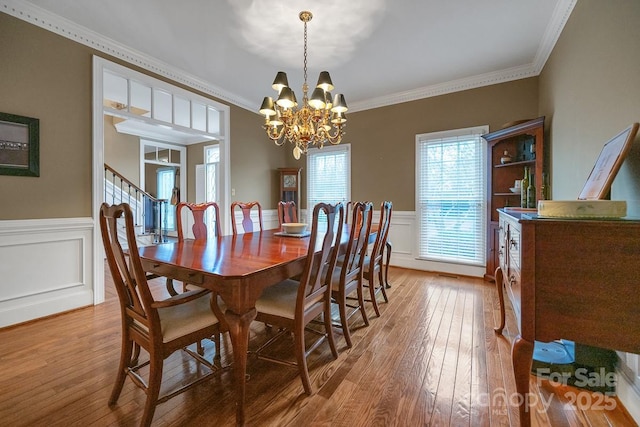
[
  {"x": 328, "y": 176},
  {"x": 450, "y": 175}
]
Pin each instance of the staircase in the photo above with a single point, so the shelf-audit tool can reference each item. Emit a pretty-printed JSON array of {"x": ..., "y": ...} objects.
[{"x": 149, "y": 213}]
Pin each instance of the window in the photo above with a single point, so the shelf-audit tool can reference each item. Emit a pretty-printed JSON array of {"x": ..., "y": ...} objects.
[
  {"x": 166, "y": 182},
  {"x": 211, "y": 162},
  {"x": 450, "y": 191},
  {"x": 328, "y": 176},
  {"x": 211, "y": 183}
]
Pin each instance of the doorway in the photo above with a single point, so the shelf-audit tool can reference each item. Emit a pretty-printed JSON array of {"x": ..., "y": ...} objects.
[{"x": 157, "y": 111}]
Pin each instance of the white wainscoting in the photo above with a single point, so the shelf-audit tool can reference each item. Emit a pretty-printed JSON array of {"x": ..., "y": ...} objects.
[
  {"x": 45, "y": 267},
  {"x": 402, "y": 235},
  {"x": 269, "y": 219},
  {"x": 628, "y": 385}
]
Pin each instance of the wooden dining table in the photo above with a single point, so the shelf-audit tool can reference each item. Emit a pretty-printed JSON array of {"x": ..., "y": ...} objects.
[{"x": 238, "y": 268}]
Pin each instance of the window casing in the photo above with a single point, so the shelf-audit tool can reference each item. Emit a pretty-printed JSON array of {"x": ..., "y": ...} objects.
[
  {"x": 451, "y": 196},
  {"x": 328, "y": 176}
]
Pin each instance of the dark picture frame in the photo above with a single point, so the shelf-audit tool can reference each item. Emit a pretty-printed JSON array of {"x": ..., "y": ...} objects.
[
  {"x": 609, "y": 161},
  {"x": 19, "y": 145}
]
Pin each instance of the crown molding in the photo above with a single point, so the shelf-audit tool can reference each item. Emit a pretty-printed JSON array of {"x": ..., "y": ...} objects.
[
  {"x": 558, "y": 20},
  {"x": 552, "y": 33},
  {"x": 57, "y": 24},
  {"x": 459, "y": 85},
  {"x": 62, "y": 26}
]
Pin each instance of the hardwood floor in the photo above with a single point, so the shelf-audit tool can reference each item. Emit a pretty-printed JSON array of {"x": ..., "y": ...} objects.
[{"x": 432, "y": 358}]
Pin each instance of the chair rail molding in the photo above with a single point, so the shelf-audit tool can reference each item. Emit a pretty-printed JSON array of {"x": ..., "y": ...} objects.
[{"x": 46, "y": 267}]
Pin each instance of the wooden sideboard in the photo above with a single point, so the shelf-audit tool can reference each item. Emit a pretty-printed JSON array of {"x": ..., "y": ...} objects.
[{"x": 568, "y": 279}]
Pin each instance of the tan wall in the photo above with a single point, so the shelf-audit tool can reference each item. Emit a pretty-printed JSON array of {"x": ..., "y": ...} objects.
[
  {"x": 590, "y": 88},
  {"x": 255, "y": 160},
  {"x": 47, "y": 77},
  {"x": 383, "y": 139},
  {"x": 122, "y": 151}
]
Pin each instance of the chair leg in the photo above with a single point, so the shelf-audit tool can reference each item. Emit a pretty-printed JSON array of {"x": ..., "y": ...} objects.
[
  {"x": 136, "y": 354},
  {"x": 153, "y": 391},
  {"x": 328, "y": 326},
  {"x": 361, "y": 302},
  {"x": 372, "y": 292},
  {"x": 218, "y": 354},
  {"x": 342, "y": 306},
  {"x": 126, "y": 356},
  {"x": 382, "y": 285},
  {"x": 302, "y": 358},
  {"x": 389, "y": 248}
]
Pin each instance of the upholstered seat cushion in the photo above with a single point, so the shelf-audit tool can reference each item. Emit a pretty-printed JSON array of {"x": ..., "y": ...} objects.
[
  {"x": 182, "y": 319},
  {"x": 279, "y": 300}
]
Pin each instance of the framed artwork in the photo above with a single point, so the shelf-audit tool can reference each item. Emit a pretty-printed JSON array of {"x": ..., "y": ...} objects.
[
  {"x": 19, "y": 145},
  {"x": 609, "y": 161}
]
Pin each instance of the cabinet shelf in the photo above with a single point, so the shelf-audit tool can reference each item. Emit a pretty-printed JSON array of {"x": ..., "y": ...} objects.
[
  {"x": 524, "y": 142},
  {"x": 520, "y": 163}
]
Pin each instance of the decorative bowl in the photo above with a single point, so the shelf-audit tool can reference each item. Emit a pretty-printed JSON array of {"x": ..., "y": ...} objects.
[
  {"x": 294, "y": 227},
  {"x": 515, "y": 189}
]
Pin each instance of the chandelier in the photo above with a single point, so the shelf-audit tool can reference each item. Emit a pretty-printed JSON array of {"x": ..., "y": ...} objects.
[{"x": 317, "y": 121}]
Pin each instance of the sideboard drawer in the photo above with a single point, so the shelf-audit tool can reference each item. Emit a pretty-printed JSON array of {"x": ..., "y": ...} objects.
[
  {"x": 514, "y": 247},
  {"x": 513, "y": 286}
]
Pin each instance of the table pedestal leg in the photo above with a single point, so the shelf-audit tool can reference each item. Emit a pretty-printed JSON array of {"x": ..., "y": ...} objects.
[
  {"x": 521, "y": 353},
  {"x": 239, "y": 334}
]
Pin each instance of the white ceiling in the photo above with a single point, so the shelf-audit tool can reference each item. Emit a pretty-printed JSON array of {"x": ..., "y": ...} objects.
[{"x": 379, "y": 52}]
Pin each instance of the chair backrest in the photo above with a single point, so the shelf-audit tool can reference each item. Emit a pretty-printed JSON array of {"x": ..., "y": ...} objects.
[
  {"x": 128, "y": 275},
  {"x": 313, "y": 288},
  {"x": 358, "y": 239},
  {"x": 287, "y": 212},
  {"x": 382, "y": 234},
  {"x": 247, "y": 223},
  {"x": 347, "y": 209},
  {"x": 198, "y": 211}
]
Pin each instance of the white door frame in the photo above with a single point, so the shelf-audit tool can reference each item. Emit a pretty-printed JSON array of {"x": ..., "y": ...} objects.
[{"x": 100, "y": 65}]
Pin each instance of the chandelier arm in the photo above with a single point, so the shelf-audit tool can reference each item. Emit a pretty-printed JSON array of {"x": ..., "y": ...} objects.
[{"x": 336, "y": 138}]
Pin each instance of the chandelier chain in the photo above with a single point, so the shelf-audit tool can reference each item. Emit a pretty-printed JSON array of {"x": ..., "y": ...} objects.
[{"x": 305, "y": 53}]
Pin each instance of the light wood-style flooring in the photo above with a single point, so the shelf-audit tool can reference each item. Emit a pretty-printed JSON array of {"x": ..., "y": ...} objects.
[{"x": 432, "y": 358}]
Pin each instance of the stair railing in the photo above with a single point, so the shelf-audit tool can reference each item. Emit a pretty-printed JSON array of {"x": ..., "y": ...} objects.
[{"x": 148, "y": 211}]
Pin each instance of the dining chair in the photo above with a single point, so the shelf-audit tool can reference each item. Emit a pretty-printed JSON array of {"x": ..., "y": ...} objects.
[
  {"x": 160, "y": 327},
  {"x": 247, "y": 222},
  {"x": 292, "y": 304},
  {"x": 347, "y": 210},
  {"x": 287, "y": 212},
  {"x": 373, "y": 263},
  {"x": 347, "y": 276},
  {"x": 199, "y": 229}
]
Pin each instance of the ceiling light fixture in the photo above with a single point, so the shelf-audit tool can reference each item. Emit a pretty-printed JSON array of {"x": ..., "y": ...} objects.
[{"x": 318, "y": 121}]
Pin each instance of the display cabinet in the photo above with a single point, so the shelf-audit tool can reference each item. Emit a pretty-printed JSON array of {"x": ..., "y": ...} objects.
[{"x": 510, "y": 151}]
